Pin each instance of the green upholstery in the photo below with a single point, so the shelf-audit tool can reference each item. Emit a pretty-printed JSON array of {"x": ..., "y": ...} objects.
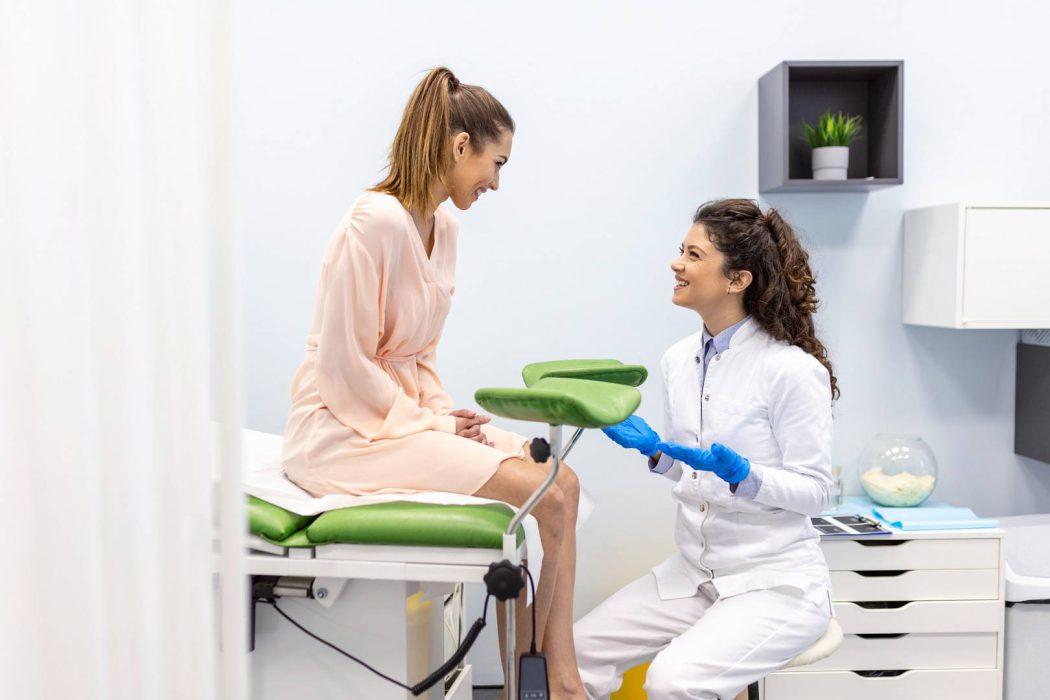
[
  {"x": 558, "y": 401},
  {"x": 395, "y": 523},
  {"x": 581, "y": 393},
  {"x": 415, "y": 524},
  {"x": 612, "y": 371},
  {"x": 273, "y": 522}
]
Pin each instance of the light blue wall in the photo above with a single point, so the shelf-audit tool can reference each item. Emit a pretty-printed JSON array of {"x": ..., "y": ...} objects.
[{"x": 629, "y": 116}]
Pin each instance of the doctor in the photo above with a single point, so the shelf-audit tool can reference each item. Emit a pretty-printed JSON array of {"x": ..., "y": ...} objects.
[{"x": 747, "y": 415}]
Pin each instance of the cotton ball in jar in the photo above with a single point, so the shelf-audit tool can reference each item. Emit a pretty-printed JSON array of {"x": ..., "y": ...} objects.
[{"x": 898, "y": 470}]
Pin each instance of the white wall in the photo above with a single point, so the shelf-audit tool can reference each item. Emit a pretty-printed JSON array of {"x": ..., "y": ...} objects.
[{"x": 629, "y": 116}]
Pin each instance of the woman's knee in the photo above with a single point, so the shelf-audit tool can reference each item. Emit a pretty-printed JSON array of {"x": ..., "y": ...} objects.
[
  {"x": 551, "y": 508},
  {"x": 569, "y": 483}
]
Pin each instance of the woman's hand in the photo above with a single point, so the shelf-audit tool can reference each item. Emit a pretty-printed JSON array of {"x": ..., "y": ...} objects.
[
  {"x": 720, "y": 460},
  {"x": 468, "y": 425},
  {"x": 634, "y": 433}
]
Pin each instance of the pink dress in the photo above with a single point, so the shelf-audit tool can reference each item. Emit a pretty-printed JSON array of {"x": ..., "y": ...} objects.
[{"x": 368, "y": 412}]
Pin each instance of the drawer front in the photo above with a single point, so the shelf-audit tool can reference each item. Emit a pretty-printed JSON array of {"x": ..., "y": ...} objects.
[
  {"x": 911, "y": 651},
  {"x": 926, "y": 616},
  {"x": 945, "y": 584},
  {"x": 872, "y": 555},
  {"x": 913, "y": 685}
]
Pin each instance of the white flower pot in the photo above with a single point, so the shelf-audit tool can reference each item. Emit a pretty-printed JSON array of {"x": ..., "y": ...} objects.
[{"x": 830, "y": 162}]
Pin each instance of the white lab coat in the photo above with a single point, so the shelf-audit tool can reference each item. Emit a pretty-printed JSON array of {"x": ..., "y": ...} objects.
[
  {"x": 748, "y": 588},
  {"x": 770, "y": 402}
]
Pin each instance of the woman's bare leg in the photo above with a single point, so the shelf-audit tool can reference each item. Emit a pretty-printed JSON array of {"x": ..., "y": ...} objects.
[
  {"x": 558, "y": 642},
  {"x": 514, "y": 481}
]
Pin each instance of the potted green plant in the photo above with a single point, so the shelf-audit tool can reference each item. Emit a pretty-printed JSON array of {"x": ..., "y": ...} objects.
[{"x": 830, "y": 140}]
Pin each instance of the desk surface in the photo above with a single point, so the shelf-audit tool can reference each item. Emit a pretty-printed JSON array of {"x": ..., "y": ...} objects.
[{"x": 984, "y": 532}]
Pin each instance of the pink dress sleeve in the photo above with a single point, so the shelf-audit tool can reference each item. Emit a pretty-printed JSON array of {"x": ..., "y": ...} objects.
[
  {"x": 350, "y": 382},
  {"x": 433, "y": 395}
]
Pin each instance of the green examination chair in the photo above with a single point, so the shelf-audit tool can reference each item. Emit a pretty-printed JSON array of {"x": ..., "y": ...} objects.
[{"x": 578, "y": 393}]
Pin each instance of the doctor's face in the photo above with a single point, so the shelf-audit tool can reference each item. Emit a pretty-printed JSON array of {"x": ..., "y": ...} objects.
[{"x": 698, "y": 280}]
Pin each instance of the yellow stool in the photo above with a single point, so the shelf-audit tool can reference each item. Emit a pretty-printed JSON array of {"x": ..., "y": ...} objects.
[{"x": 631, "y": 689}]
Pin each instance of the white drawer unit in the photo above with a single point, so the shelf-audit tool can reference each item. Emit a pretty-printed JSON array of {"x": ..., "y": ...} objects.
[
  {"x": 977, "y": 265},
  {"x": 922, "y": 617}
]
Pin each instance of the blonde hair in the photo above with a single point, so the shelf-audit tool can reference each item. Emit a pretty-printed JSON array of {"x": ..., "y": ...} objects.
[{"x": 439, "y": 108}]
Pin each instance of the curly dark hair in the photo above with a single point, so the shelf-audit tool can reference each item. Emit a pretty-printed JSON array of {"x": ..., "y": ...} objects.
[{"x": 782, "y": 296}]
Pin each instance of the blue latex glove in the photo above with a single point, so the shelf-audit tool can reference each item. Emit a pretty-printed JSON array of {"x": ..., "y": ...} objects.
[
  {"x": 722, "y": 461},
  {"x": 634, "y": 433}
]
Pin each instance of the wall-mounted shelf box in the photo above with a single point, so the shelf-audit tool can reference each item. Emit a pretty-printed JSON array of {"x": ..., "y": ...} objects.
[
  {"x": 977, "y": 265},
  {"x": 797, "y": 90}
]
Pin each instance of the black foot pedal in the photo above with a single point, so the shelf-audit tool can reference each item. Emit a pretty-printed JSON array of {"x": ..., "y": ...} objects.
[{"x": 532, "y": 677}]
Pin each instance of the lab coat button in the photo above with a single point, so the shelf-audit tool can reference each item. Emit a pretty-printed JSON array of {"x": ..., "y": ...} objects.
[
  {"x": 694, "y": 476},
  {"x": 698, "y": 359},
  {"x": 717, "y": 358},
  {"x": 703, "y": 507},
  {"x": 707, "y": 397}
]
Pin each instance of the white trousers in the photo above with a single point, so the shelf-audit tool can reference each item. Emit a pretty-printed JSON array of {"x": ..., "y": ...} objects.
[{"x": 701, "y": 647}]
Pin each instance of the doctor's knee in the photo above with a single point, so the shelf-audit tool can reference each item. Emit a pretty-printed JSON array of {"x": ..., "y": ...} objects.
[{"x": 665, "y": 679}]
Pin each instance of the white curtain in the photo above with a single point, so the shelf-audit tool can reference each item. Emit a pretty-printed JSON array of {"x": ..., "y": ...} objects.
[{"x": 115, "y": 299}]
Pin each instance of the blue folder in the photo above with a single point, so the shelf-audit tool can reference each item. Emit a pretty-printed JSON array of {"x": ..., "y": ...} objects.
[{"x": 931, "y": 515}]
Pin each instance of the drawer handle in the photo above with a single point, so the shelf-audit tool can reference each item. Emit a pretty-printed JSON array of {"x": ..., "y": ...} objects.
[
  {"x": 881, "y": 543},
  {"x": 883, "y": 635},
  {"x": 880, "y": 674},
  {"x": 882, "y": 604},
  {"x": 887, "y": 573}
]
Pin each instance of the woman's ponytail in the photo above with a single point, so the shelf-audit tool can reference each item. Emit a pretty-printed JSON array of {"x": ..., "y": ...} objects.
[
  {"x": 419, "y": 153},
  {"x": 782, "y": 295},
  {"x": 439, "y": 107}
]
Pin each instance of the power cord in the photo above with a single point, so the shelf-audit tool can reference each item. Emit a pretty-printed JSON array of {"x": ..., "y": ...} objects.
[
  {"x": 328, "y": 644},
  {"x": 452, "y": 662},
  {"x": 532, "y": 587}
]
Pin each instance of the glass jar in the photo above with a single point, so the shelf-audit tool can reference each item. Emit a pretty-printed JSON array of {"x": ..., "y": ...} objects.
[{"x": 897, "y": 470}]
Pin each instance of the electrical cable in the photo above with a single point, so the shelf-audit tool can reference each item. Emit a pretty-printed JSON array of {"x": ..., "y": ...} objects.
[
  {"x": 348, "y": 655},
  {"x": 532, "y": 587},
  {"x": 422, "y": 686}
]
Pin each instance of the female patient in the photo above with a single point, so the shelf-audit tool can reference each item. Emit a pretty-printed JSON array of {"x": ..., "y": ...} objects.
[
  {"x": 747, "y": 414},
  {"x": 368, "y": 412}
]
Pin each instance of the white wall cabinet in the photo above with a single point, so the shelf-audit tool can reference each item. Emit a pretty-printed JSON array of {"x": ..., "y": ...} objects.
[{"x": 977, "y": 265}]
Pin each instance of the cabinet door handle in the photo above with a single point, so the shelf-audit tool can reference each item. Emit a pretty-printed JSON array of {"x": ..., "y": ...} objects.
[
  {"x": 882, "y": 543},
  {"x": 883, "y": 635},
  {"x": 881, "y": 674}
]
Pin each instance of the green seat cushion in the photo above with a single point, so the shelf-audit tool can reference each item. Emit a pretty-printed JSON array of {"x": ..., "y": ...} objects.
[
  {"x": 612, "y": 371},
  {"x": 415, "y": 524},
  {"x": 273, "y": 522},
  {"x": 296, "y": 539},
  {"x": 582, "y": 403}
]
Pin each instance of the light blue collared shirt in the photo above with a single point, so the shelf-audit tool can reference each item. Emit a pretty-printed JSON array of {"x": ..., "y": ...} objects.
[{"x": 709, "y": 347}]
